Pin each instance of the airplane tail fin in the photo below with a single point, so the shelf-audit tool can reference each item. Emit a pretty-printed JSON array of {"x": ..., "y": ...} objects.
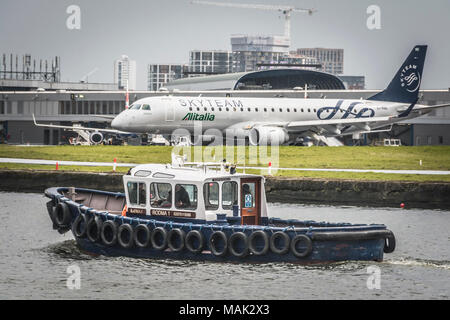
[{"x": 404, "y": 87}]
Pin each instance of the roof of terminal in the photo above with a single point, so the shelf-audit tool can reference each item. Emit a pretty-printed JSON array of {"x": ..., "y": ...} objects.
[{"x": 284, "y": 78}]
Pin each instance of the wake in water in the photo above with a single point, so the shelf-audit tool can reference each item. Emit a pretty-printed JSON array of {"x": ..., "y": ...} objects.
[
  {"x": 408, "y": 261},
  {"x": 69, "y": 250}
]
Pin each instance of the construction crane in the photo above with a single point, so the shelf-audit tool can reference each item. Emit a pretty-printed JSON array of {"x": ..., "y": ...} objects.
[
  {"x": 286, "y": 10},
  {"x": 85, "y": 79}
]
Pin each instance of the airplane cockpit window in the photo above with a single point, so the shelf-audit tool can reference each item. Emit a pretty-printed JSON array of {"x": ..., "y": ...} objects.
[
  {"x": 146, "y": 107},
  {"x": 135, "y": 106}
]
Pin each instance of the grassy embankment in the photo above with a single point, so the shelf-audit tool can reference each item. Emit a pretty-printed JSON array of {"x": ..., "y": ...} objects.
[{"x": 390, "y": 158}]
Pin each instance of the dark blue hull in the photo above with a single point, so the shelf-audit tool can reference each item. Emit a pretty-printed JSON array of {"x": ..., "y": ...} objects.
[
  {"x": 322, "y": 253},
  {"x": 314, "y": 242}
]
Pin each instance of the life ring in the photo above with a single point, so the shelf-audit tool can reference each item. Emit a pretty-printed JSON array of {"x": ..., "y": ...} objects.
[
  {"x": 238, "y": 244},
  {"x": 218, "y": 243},
  {"x": 389, "y": 243},
  {"x": 279, "y": 242},
  {"x": 258, "y": 243},
  {"x": 125, "y": 235},
  {"x": 194, "y": 241},
  {"x": 62, "y": 215},
  {"x": 141, "y": 235},
  {"x": 93, "y": 229},
  {"x": 301, "y": 246},
  {"x": 79, "y": 226},
  {"x": 109, "y": 232},
  {"x": 159, "y": 238},
  {"x": 175, "y": 239}
]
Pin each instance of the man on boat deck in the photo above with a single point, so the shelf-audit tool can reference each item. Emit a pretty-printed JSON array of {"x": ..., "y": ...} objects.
[{"x": 181, "y": 197}]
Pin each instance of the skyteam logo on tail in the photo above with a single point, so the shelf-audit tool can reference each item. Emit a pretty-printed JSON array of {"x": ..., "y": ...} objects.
[{"x": 410, "y": 78}]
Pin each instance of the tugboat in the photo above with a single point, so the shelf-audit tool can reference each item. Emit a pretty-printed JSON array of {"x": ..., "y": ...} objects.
[{"x": 203, "y": 211}]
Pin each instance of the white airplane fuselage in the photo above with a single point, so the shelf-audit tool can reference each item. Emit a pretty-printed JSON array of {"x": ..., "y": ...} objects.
[{"x": 166, "y": 114}]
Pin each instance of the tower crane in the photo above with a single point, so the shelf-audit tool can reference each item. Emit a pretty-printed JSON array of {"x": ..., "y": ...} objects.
[
  {"x": 85, "y": 79},
  {"x": 286, "y": 10}
]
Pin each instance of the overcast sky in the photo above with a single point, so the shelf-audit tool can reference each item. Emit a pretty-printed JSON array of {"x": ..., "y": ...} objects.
[{"x": 163, "y": 31}]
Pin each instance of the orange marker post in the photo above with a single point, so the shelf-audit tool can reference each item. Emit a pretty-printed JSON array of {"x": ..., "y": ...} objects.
[{"x": 124, "y": 211}]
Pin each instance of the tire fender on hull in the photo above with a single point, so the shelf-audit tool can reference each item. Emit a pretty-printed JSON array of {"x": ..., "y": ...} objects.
[{"x": 109, "y": 232}]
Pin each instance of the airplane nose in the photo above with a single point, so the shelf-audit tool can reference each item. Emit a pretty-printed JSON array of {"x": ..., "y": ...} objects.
[{"x": 117, "y": 123}]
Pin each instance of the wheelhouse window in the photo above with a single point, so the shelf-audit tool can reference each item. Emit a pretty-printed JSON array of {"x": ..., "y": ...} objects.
[
  {"x": 137, "y": 193},
  {"x": 229, "y": 194},
  {"x": 186, "y": 196},
  {"x": 160, "y": 195},
  {"x": 211, "y": 195}
]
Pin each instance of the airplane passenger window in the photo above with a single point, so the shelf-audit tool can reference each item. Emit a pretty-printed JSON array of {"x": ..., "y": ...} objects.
[
  {"x": 206, "y": 109},
  {"x": 288, "y": 110},
  {"x": 265, "y": 109},
  {"x": 190, "y": 108},
  {"x": 249, "y": 109},
  {"x": 256, "y": 109},
  {"x": 228, "y": 109},
  {"x": 212, "y": 109},
  {"x": 242, "y": 109},
  {"x": 198, "y": 109},
  {"x": 295, "y": 110},
  {"x": 273, "y": 110},
  {"x": 220, "y": 109},
  {"x": 146, "y": 107},
  {"x": 309, "y": 110},
  {"x": 281, "y": 110},
  {"x": 302, "y": 110},
  {"x": 314, "y": 110}
]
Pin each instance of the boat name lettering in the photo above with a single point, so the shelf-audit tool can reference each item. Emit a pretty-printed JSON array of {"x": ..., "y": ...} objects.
[
  {"x": 170, "y": 213},
  {"x": 136, "y": 211}
]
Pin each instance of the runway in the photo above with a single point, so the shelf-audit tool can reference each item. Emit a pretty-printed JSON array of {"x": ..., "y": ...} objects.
[{"x": 118, "y": 164}]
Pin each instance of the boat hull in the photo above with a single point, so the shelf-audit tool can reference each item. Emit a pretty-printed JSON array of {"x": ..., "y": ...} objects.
[{"x": 327, "y": 243}]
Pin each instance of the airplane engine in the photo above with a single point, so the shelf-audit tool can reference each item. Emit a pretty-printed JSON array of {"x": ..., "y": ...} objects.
[
  {"x": 96, "y": 137},
  {"x": 268, "y": 136}
]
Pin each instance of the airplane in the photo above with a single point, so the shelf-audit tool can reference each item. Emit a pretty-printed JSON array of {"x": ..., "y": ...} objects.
[{"x": 280, "y": 120}]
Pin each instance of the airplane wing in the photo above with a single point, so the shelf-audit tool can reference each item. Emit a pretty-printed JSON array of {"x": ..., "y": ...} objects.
[
  {"x": 111, "y": 117},
  {"x": 305, "y": 125},
  {"x": 79, "y": 128},
  {"x": 426, "y": 108}
]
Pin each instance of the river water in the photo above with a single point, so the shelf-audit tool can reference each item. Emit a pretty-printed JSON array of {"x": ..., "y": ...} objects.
[{"x": 37, "y": 261}]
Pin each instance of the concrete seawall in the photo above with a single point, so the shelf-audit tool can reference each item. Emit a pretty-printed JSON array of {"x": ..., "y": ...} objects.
[{"x": 278, "y": 189}]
